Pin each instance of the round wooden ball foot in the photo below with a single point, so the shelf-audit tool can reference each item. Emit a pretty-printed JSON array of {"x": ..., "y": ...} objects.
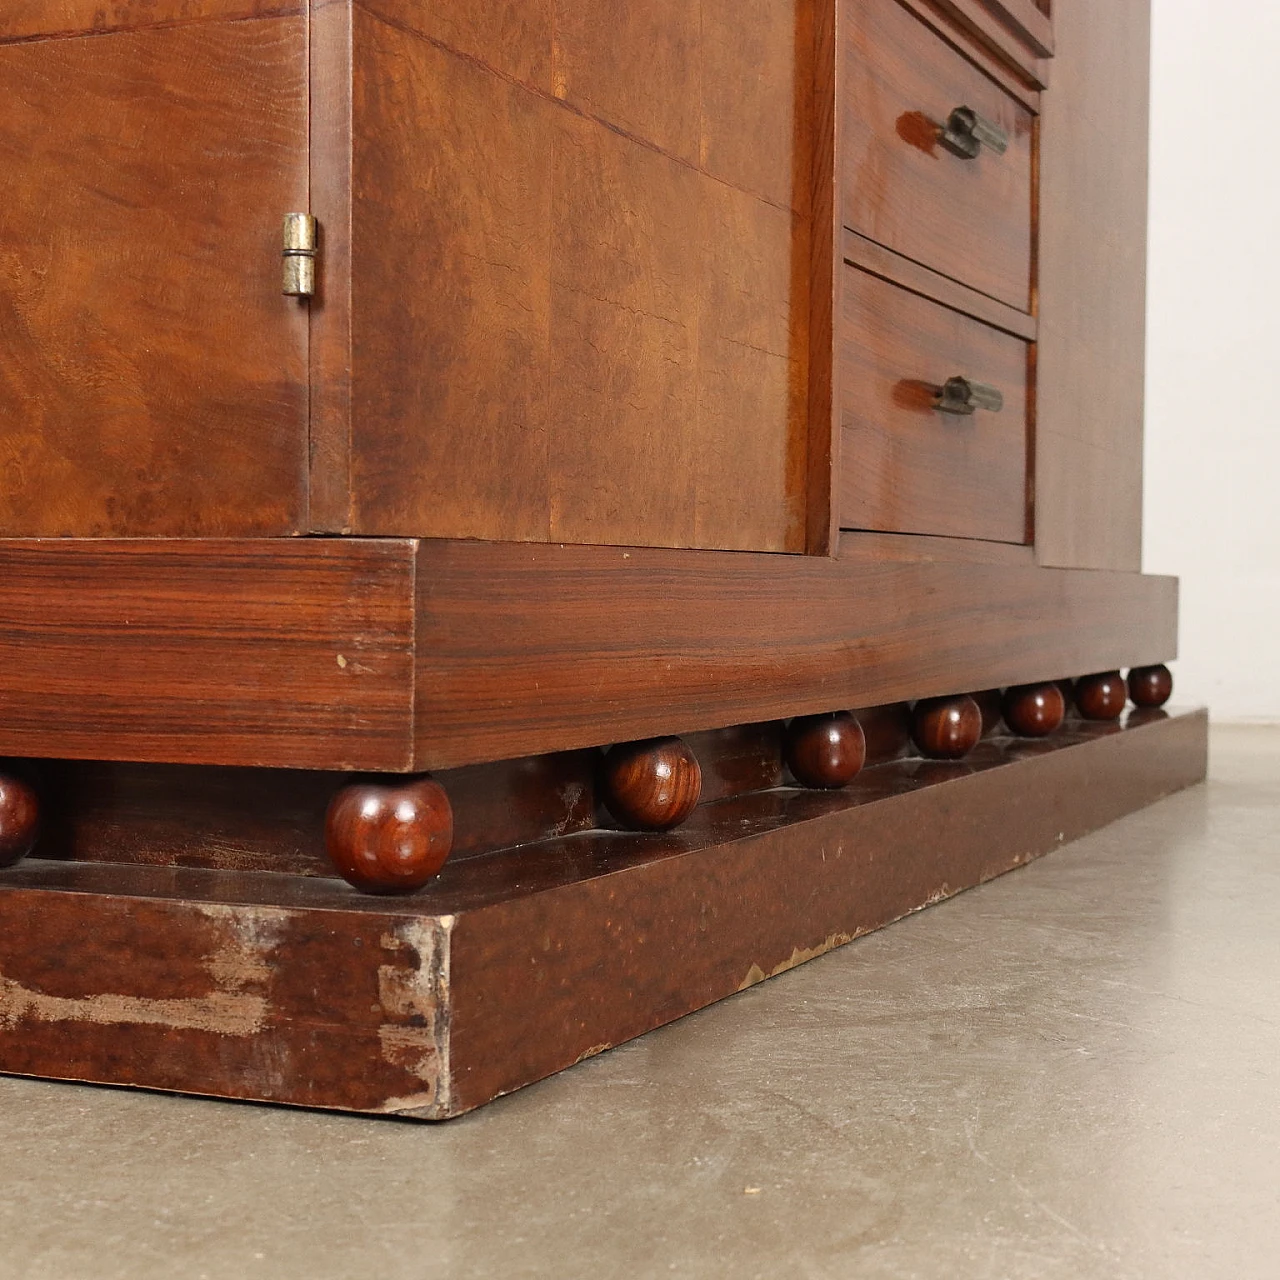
[
  {"x": 389, "y": 837},
  {"x": 1102, "y": 696},
  {"x": 19, "y": 819},
  {"x": 652, "y": 785},
  {"x": 827, "y": 751},
  {"x": 1150, "y": 686},
  {"x": 946, "y": 728},
  {"x": 1034, "y": 710}
]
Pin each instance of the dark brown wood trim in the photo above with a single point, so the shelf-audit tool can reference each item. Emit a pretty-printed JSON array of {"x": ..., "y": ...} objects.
[
  {"x": 1028, "y": 23},
  {"x": 972, "y": 27},
  {"x": 307, "y": 653},
  {"x": 330, "y": 310},
  {"x": 823, "y": 439},
  {"x": 579, "y": 646},
  {"x": 72, "y": 19},
  {"x": 879, "y": 261},
  {"x": 871, "y": 547},
  {"x": 509, "y": 968},
  {"x": 281, "y": 652}
]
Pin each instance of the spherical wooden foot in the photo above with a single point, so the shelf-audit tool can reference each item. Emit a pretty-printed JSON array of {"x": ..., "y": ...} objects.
[
  {"x": 1150, "y": 686},
  {"x": 19, "y": 819},
  {"x": 1034, "y": 710},
  {"x": 1102, "y": 696},
  {"x": 947, "y": 728},
  {"x": 826, "y": 751},
  {"x": 652, "y": 785},
  {"x": 389, "y": 837}
]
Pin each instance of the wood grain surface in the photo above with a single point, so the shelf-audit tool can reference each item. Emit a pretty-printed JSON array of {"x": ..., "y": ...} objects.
[
  {"x": 458, "y": 653},
  {"x": 1013, "y": 31},
  {"x": 507, "y": 969},
  {"x": 330, "y": 315},
  {"x": 905, "y": 467},
  {"x": 30, "y": 19},
  {"x": 612, "y": 340},
  {"x": 589, "y": 646},
  {"x": 876, "y": 260},
  {"x": 968, "y": 219},
  {"x": 153, "y": 381},
  {"x": 867, "y": 855},
  {"x": 267, "y": 652},
  {"x": 1093, "y": 234}
]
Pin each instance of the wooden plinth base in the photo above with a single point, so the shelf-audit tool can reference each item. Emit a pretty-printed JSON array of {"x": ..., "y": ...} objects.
[{"x": 513, "y": 966}]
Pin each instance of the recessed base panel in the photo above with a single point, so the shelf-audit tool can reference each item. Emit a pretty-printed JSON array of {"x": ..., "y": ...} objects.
[{"x": 515, "y": 965}]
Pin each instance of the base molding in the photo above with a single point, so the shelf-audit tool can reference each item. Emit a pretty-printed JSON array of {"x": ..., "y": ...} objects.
[{"x": 512, "y": 966}]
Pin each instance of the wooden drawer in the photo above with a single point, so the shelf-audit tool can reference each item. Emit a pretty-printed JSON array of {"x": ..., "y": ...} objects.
[
  {"x": 905, "y": 466},
  {"x": 970, "y": 219}
]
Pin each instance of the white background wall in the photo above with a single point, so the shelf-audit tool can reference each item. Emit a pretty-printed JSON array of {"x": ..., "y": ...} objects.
[{"x": 1213, "y": 362}]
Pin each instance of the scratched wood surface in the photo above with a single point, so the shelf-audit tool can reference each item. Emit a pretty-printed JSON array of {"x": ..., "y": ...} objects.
[{"x": 512, "y": 967}]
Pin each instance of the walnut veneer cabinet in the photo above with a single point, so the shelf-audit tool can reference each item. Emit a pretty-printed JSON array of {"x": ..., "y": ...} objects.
[{"x": 645, "y": 492}]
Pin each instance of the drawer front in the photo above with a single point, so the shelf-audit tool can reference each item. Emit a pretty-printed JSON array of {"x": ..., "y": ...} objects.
[
  {"x": 905, "y": 465},
  {"x": 969, "y": 218}
]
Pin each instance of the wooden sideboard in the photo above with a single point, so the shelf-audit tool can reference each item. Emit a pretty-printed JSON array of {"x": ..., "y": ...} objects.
[{"x": 655, "y": 487}]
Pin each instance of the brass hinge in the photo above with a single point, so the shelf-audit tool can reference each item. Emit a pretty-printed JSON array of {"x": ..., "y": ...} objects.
[{"x": 301, "y": 235}]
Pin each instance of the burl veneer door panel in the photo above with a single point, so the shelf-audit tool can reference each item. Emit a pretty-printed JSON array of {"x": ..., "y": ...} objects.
[
  {"x": 153, "y": 380},
  {"x": 1093, "y": 238},
  {"x": 581, "y": 315},
  {"x": 970, "y": 219}
]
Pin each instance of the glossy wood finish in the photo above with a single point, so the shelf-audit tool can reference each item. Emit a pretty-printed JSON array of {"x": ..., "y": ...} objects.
[
  {"x": 652, "y": 785},
  {"x": 968, "y": 219},
  {"x": 905, "y": 466},
  {"x": 587, "y": 634},
  {"x": 1102, "y": 696},
  {"x": 1034, "y": 710},
  {"x": 990, "y": 703},
  {"x": 225, "y": 652},
  {"x": 988, "y": 44},
  {"x": 153, "y": 382},
  {"x": 1093, "y": 288},
  {"x": 887, "y": 731},
  {"x": 19, "y": 818},
  {"x": 507, "y": 969},
  {"x": 1027, "y": 20},
  {"x": 822, "y": 521},
  {"x": 1013, "y": 31},
  {"x": 946, "y": 728},
  {"x": 826, "y": 751},
  {"x": 288, "y": 653},
  {"x": 330, "y": 332},
  {"x": 1150, "y": 686},
  {"x": 878, "y": 261},
  {"x": 614, "y": 225},
  {"x": 28, "y": 19},
  {"x": 389, "y": 837},
  {"x": 272, "y": 821}
]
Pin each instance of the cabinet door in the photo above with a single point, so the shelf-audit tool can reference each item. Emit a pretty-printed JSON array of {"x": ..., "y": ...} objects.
[{"x": 153, "y": 379}]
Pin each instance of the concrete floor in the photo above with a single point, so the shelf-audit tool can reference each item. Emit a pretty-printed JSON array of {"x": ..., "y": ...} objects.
[{"x": 1072, "y": 1072}]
